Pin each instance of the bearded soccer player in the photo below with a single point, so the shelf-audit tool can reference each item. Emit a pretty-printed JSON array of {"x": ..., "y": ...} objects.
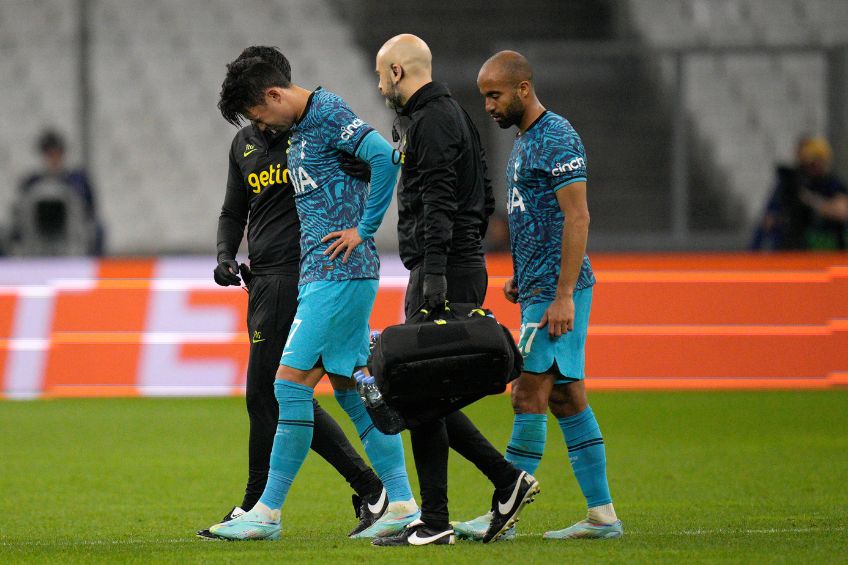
[
  {"x": 549, "y": 225},
  {"x": 260, "y": 195},
  {"x": 339, "y": 271}
]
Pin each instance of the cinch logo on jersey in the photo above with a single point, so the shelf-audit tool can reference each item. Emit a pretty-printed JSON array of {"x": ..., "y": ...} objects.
[
  {"x": 273, "y": 175},
  {"x": 349, "y": 129},
  {"x": 562, "y": 168}
]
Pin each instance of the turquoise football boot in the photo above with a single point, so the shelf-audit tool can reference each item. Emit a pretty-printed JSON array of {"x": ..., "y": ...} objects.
[
  {"x": 248, "y": 526},
  {"x": 587, "y": 530},
  {"x": 390, "y": 524},
  {"x": 475, "y": 529}
]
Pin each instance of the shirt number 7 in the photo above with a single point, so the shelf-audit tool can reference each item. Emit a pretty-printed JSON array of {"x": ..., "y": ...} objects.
[{"x": 294, "y": 327}]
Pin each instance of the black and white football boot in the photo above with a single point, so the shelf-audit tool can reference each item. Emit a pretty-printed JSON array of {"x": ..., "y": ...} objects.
[
  {"x": 507, "y": 504},
  {"x": 369, "y": 510},
  {"x": 418, "y": 533},
  {"x": 207, "y": 535}
]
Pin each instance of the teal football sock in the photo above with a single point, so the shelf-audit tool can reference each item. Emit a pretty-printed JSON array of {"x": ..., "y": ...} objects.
[
  {"x": 587, "y": 455},
  {"x": 291, "y": 442},
  {"x": 385, "y": 452},
  {"x": 527, "y": 444}
]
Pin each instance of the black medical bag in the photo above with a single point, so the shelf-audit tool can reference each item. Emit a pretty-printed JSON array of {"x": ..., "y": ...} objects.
[{"x": 441, "y": 361}]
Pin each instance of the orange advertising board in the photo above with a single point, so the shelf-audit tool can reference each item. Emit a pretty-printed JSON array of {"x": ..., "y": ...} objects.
[{"x": 678, "y": 321}]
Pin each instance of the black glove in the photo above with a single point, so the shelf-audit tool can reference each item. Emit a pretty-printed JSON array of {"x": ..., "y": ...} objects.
[
  {"x": 354, "y": 167},
  {"x": 435, "y": 290},
  {"x": 246, "y": 274},
  {"x": 226, "y": 273}
]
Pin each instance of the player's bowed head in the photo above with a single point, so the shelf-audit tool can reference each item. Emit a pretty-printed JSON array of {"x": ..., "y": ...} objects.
[
  {"x": 259, "y": 91},
  {"x": 506, "y": 82},
  {"x": 404, "y": 65}
]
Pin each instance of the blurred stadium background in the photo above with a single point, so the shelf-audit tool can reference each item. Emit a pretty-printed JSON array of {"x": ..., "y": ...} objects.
[{"x": 685, "y": 107}]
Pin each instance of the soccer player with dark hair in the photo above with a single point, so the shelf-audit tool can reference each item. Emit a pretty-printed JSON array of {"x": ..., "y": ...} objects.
[
  {"x": 339, "y": 271},
  {"x": 549, "y": 226},
  {"x": 444, "y": 203},
  {"x": 260, "y": 195}
]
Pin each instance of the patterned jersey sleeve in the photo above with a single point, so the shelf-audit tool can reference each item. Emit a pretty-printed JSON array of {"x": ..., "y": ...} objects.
[
  {"x": 341, "y": 128},
  {"x": 564, "y": 158}
]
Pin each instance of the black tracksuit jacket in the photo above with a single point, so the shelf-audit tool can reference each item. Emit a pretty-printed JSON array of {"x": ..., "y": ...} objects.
[
  {"x": 258, "y": 187},
  {"x": 444, "y": 197}
]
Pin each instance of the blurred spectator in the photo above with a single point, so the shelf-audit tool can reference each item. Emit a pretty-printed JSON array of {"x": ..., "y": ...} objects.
[
  {"x": 55, "y": 212},
  {"x": 828, "y": 199},
  {"x": 808, "y": 208}
]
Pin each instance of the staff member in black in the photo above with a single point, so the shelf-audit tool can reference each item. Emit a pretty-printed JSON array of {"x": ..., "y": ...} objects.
[
  {"x": 260, "y": 195},
  {"x": 444, "y": 204}
]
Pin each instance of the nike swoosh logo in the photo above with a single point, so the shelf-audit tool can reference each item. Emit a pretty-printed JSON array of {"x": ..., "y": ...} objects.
[
  {"x": 246, "y": 153},
  {"x": 373, "y": 509},
  {"x": 286, "y": 353},
  {"x": 504, "y": 508},
  {"x": 258, "y": 340},
  {"x": 414, "y": 539}
]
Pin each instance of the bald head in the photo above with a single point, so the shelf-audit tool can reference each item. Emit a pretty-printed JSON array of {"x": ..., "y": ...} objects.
[
  {"x": 404, "y": 64},
  {"x": 408, "y": 51},
  {"x": 506, "y": 82},
  {"x": 509, "y": 66}
]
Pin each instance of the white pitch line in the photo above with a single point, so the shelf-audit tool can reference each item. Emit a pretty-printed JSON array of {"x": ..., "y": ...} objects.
[
  {"x": 755, "y": 531},
  {"x": 718, "y": 531},
  {"x": 722, "y": 531},
  {"x": 98, "y": 542}
]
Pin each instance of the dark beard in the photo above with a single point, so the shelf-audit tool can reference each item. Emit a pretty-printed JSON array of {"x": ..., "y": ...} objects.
[
  {"x": 393, "y": 101},
  {"x": 513, "y": 114}
]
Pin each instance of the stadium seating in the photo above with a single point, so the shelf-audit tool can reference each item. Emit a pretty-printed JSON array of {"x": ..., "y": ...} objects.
[
  {"x": 158, "y": 67},
  {"x": 749, "y": 107},
  {"x": 741, "y": 22},
  {"x": 38, "y": 88},
  {"x": 159, "y": 145},
  {"x": 601, "y": 89}
]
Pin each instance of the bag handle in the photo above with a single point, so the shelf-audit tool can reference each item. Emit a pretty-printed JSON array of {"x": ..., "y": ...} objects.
[{"x": 426, "y": 314}]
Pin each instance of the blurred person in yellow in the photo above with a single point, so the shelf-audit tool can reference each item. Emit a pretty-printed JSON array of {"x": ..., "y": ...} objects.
[
  {"x": 808, "y": 208},
  {"x": 826, "y": 195}
]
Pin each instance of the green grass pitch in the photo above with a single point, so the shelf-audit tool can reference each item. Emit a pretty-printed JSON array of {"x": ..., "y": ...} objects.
[{"x": 696, "y": 477}]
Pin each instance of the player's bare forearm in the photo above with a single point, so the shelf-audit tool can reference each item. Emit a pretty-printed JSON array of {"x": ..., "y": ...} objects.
[
  {"x": 575, "y": 235},
  {"x": 559, "y": 317}
]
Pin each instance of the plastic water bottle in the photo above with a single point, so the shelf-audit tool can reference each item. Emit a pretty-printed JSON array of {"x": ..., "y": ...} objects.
[
  {"x": 372, "y": 341},
  {"x": 366, "y": 386},
  {"x": 385, "y": 418}
]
